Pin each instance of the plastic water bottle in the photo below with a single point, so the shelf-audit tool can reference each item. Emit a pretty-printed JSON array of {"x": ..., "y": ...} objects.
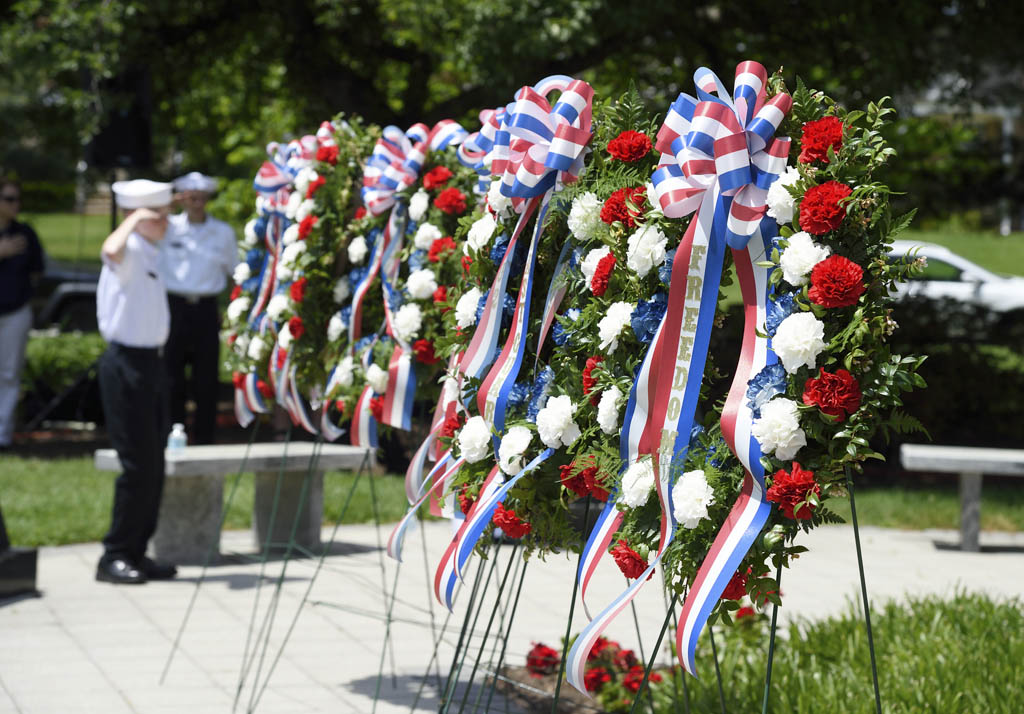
[{"x": 177, "y": 440}]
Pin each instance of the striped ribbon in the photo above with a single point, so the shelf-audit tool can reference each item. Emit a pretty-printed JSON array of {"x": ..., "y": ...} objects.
[
  {"x": 401, "y": 388},
  {"x": 719, "y": 156},
  {"x": 330, "y": 430},
  {"x": 438, "y": 479},
  {"x": 476, "y": 148},
  {"x": 359, "y": 292},
  {"x": 364, "y": 426}
]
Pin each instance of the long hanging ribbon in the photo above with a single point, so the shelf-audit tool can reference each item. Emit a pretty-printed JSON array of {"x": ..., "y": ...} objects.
[
  {"x": 401, "y": 388},
  {"x": 359, "y": 292},
  {"x": 364, "y": 426},
  {"x": 438, "y": 479},
  {"x": 330, "y": 430},
  {"x": 718, "y": 159}
]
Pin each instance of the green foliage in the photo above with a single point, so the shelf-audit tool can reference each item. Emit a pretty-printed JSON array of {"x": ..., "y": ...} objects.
[{"x": 57, "y": 359}]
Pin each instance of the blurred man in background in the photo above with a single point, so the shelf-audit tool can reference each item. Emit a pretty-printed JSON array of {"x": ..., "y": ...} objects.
[{"x": 196, "y": 259}]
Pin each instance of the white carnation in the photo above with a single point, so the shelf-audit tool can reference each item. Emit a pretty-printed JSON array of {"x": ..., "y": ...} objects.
[
  {"x": 250, "y": 238},
  {"x": 283, "y": 272},
  {"x": 408, "y": 321},
  {"x": 589, "y": 265},
  {"x": 257, "y": 348},
  {"x": 341, "y": 290},
  {"x": 799, "y": 340},
  {"x": 278, "y": 306},
  {"x": 292, "y": 207},
  {"x": 357, "y": 250},
  {"x": 261, "y": 206},
  {"x": 421, "y": 284},
  {"x": 426, "y": 234},
  {"x": 237, "y": 308},
  {"x": 291, "y": 234},
  {"x": 585, "y": 216},
  {"x": 652, "y": 199},
  {"x": 780, "y": 202},
  {"x": 475, "y": 440},
  {"x": 241, "y": 344},
  {"x": 450, "y": 390},
  {"x": 800, "y": 257},
  {"x": 418, "y": 205},
  {"x": 611, "y": 325},
  {"x": 637, "y": 483},
  {"x": 305, "y": 209},
  {"x": 242, "y": 273},
  {"x": 284, "y": 337},
  {"x": 554, "y": 423},
  {"x": 646, "y": 249},
  {"x": 345, "y": 373},
  {"x": 513, "y": 445},
  {"x": 335, "y": 327},
  {"x": 778, "y": 430},
  {"x": 465, "y": 308},
  {"x": 304, "y": 178},
  {"x": 499, "y": 202},
  {"x": 691, "y": 497},
  {"x": 377, "y": 378},
  {"x": 608, "y": 410},
  {"x": 291, "y": 253},
  {"x": 480, "y": 233}
]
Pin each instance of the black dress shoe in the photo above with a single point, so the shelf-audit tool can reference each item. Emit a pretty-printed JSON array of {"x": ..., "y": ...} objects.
[
  {"x": 157, "y": 571},
  {"x": 119, "y": 571}
]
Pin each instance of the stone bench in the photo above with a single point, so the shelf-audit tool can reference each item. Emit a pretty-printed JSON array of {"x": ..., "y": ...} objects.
[
  {"x": 970, "y": 463},
  {"x": 192, "y": 504}
]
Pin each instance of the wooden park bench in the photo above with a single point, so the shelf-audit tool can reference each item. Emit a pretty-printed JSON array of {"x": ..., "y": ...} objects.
[
  {"x": 190, "y": 511},
  {"x": 970, "y": 463}
]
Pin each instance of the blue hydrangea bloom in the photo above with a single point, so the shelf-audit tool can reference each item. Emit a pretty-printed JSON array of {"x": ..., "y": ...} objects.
[
  {"x": 363, "y": 342},
  {"x": 260, "y": 227},
  {"x": 346, "y": 314},
  {"x": 254, "y": 258},
  {"x": 559, "y": 334},
  {"x": 252, "y": 284},
  {"x": 394, "y": 297},
  {"x": 499, "y": 248},
  {"x": 539, "y": 393},
  {"x": 647, "y": 316},
  {"x": 355, "y": 276},
  {"x": 778, "y": 310},
  {"x": 519, "y": 394},
  {"x": 417, "y": 259},
  {"x": 769, "y": 382},
  {"x": 665, "y": 269},
  {"x": 508, "y": 310},
  {"x": 481, "y": 304},
  {"x": 410, "y": 227}
]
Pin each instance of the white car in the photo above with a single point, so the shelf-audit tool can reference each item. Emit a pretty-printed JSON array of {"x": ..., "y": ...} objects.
[{"x": 949, "y": 275}]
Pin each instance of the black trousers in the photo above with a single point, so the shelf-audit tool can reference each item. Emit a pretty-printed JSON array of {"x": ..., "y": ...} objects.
[
  {"x": 195, "y": 341},
  {"x": 135, "y": 407}
]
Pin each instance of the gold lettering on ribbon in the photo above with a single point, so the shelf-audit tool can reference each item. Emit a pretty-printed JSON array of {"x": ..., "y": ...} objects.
[
  {"x": 667, "y": 446},
  {"x": 679, "y": 380},
  {"x": 674, "y": 405},
  {"x": 693, "y": 287}
]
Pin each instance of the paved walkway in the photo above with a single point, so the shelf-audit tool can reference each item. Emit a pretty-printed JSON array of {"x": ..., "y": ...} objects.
[{"x": 91, "y": 647}]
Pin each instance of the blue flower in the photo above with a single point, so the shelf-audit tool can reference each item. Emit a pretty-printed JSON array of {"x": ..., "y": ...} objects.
[
  {"x": 356, "y": 275},
  {"x": 410, "y": 227},
  {"x": 778, "y": 310},
  {"x": 559, "y": 334},
  {"x": 647, "y": 316},
  {"x": 417, "y": 259},
  {"x": 252, "y": 284},
  {"x": 769, "y": 382},
  {"x": 260, "y": 227},
  {"x": 254, "y": 258},
  {"x": 395, "y": 299},
  {"x": 519, "y": 394},
  {"x": 499, "y": 248},
  {"x": 481, "y": 304},
  {"x": 346, "y": 314},
  {"x": 363, "y": 342},
  {"x": 665, "y": 269},
  {"x": 508, "y": 310},
  {"x": 539, "y": 393}
]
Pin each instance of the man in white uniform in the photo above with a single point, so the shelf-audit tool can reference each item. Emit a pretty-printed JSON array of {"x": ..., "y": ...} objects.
[
  {"x": 196, "y": 259},
  {"x": 131, "y": 307}
]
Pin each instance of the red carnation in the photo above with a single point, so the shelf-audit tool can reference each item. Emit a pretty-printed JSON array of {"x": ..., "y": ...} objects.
[
  {"x": 789, "y": 490},
  {"x": 451, "y": 201},
  {"x": 736, "y": 588},
  {"x": 465, "y": 502},
  {"x": 232, "y": 339},
  {"x": 306, "y": 226},
  {"x": 603, "y": 272},
  {"x": 511, "y": 524},
  {"x": 577, "y": 484},
  {"x": 836, "y": 282},
  {"x": 635, "y": 676},
  {"x": 339, "y": 406},
  {"x": 437, "y": 177},
  {"x": 377, "y": 407},
  {"x": 625, "y": 659},
  {"x": 466, "y": 262},
  {"x": 745, "y": 611},
  {"x": 818, "y": 136},
  {"x": 360, "y": 213},
  {"x": 424, "y": 350},
  {"x": 440, "y": 247},
  {"x": 542, "y": 660},
  {"x": 314, "y": 185},
  {"x": 596, "y": 489},
  {"x": 297, "y": 290},
  {"x": 629, "y": 561},
  {"x": 615, "y": 208},
  {"x": 599, "y": 647},
  {"x": 238, "y": 379},
  {"x": 441, "y": 297},
  {"x": 263, "y": 388},
  {"x": 588, "y": 379},
  {"x": 596, "y": 678},
  {"x": 820, "y": 211},
  {"x": 296, "y": 328},
  {"x": 836, "y": 394},
  {"x": 451, "y": 425},
  {"x": 629, "y": 146},
  {"x": 328, "y": 154},
  {"x": 236, "y": 291}
]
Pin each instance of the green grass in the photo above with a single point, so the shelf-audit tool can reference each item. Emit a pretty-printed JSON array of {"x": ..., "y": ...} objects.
[
  {"x": 59, "y": 501},
  {"x": 70, "y": 237},
  {"x": 1002, "y": 507},
  {"x": 934, "y": 655}
]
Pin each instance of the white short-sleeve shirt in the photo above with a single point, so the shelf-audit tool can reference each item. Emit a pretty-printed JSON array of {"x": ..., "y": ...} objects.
[
  {"x": 197, "y": 258},
  {"x": 131, "y": 300}
]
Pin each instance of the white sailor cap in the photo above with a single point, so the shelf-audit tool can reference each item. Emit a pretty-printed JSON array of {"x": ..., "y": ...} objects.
[
  {"x": 141, "y": 193},
  {"x": 195, "y": 181}
]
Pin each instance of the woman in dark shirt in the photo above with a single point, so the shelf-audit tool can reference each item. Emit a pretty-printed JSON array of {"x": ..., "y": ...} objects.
[{"x": 21, "y": 260}]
